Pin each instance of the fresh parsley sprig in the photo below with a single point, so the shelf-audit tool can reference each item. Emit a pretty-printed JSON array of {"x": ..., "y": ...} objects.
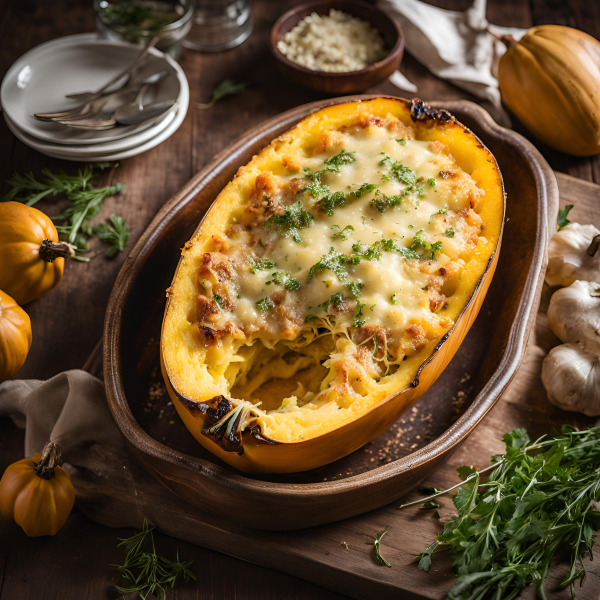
[
  {"x": 115, "y": 233},
  {"x": 539, "y": 498},
  {"x": 154, "y": 572}
]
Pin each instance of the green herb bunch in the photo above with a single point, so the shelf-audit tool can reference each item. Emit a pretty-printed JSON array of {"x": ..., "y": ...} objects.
[
  {"x": 85, "y": 203},
  {"x": 154, "y": 572},
  {"x": 539, "y": 498}
]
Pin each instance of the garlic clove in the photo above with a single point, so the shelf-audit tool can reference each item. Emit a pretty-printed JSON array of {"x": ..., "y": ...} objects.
[
  {"x": 574, "y": 315},
  {"x": 568, "y": 259},
  {"x": 571, "y": 377}
]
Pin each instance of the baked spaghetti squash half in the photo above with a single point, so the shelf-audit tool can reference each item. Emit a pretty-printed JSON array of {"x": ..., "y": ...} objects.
[{"x": 330, "y": 283}]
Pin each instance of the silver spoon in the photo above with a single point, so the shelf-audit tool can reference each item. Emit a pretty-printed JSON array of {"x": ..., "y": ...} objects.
[{"x": 86, "y": 96}]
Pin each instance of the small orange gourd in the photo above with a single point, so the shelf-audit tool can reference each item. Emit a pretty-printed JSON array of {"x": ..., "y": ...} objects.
[
  {"x": 37, "y": 492},
  {"x": 15, "y": 336},
  {"x": 32, "y": 258}
]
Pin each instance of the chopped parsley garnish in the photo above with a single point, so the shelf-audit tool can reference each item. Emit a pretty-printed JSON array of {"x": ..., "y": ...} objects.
[
  {"x": 402, "y": 142},
  {"x": 332, "y": 165},
  {"x": 218, "y": 300},
  {"x": 285, "y": 278},
  {"x": 333, "y": 261},
  {"x": 372, "y": 307},
  {"x": 335, "y": 300},
  {"x": 431, "y": 181},
  {"x": 382, "y": 202},
  {"x": 398, "y": 171},
  {"x": 364, "y": 188},
  {"x": 442, "y": 211},
  {"x": 366, "y": 252},
  {"x": 358, "y": 321},
  {"x": 264, "y": 304},
  {"x": 420, "y": 189},
  {"x": 420, "y": 242},
  {"x": 393, "y": 299},
  {"x": 355, "y": 288},
  {"x": 373, "y": 252},
  {"x": 316, "y": 189},
  {"x": 343, "y": 158},
  {"x": 261, "y": 265},
  {"x": 344, "y": 234},
  {"x": 328, "y": 203},
  {"x": 293, "y": 219},
  {"x": 449, "y": 233}
]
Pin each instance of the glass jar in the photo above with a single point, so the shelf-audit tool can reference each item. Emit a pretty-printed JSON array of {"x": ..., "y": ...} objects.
[
  {"x": 137, "y": 21},
  {"x": 219, "y": 25}
]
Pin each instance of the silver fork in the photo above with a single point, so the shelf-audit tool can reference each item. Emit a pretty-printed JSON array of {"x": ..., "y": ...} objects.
[
  {"x": 91, "y": 96},
  {"x": 142, "y": 55},
  {"x": 94, "y": 106}
]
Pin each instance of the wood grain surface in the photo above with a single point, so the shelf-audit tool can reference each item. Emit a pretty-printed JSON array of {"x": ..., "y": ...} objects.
[{"x": 68, "y": 322}]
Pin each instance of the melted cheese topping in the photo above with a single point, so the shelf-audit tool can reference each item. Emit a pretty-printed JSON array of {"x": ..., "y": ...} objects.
[
  {"x": 395, "y": 290},
  {"x": 298, "y": 323}
]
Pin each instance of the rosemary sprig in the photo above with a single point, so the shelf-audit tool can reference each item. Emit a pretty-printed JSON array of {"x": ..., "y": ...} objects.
[
  {"x": 155, "y": 572},
  {"x": 539, "y": 498},
  {"x": 85, "y": 203},
  {"x": 377, "y": 548},
  {"x": 227, "y": 87}
]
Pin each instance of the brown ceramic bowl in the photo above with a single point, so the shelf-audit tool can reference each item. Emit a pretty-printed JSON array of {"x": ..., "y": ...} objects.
[
  {"x": 384, "y": 470},
  {"x": 352, "y": 81}
]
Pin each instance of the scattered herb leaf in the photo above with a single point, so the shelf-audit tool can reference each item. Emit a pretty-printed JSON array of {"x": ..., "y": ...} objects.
[
  {"x": 377, "y": 547},
  {"x": 227, "y": 87},
  {"x": 562, "y": 216}
]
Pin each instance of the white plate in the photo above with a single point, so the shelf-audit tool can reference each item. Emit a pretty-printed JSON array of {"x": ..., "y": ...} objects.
[
  {"x": 136, "y": 139},
  {"x": 75, "y": 155},
  {"x": 39, "y": 80}
]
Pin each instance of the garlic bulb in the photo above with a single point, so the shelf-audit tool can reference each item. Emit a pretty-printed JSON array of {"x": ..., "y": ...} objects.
[
  {"x": 568, "y": 259},
  {"x": 574, "y": 315},
  {"x": 571, "y": 377}
]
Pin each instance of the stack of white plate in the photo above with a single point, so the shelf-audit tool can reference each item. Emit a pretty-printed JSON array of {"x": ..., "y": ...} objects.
[{"x": 40, "y": 79}]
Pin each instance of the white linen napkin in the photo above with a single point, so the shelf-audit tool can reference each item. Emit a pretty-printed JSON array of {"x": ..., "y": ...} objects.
[{"x": 453, "y": 45}]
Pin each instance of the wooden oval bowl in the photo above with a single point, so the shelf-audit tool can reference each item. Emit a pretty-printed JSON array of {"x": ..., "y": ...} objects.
[
  {"x": 348, "y": 82},
  {"x": 409, "y": 450}
]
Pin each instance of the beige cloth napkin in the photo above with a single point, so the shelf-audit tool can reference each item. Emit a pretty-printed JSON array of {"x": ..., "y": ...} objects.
[
  {"x": 70, "y": 408},
  {"x": 454, "y": 45}
]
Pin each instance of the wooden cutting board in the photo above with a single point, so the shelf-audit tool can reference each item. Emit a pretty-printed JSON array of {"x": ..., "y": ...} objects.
[{"x": 340, "y": 556}]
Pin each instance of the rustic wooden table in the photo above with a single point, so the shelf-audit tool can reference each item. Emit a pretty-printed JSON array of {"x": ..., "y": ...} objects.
[{"x": 68, "y": 322}]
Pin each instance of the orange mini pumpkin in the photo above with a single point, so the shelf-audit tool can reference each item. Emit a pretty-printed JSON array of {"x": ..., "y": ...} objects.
[
  {"x": 37, "y": 492},
  {"x": 15, "y": 336},
  {"x": 31, "y": 255}
]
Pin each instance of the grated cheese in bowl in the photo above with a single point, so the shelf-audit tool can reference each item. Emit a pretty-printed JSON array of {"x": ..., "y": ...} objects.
[{"x": 334, "y": 43}]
